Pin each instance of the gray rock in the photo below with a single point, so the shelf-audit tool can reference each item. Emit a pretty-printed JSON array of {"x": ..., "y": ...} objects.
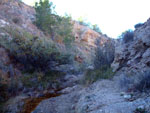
[
  {"x": 115, "y": 66},
  {"x": 146, "y": 53},
  {"x": 101, "y": 97},
  {"x": 127, "y": 96},
  {"x": 134, "y": 56},
  {"x": 3, "y": 23}
]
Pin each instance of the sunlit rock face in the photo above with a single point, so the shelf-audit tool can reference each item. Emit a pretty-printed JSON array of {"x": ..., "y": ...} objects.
[
  {"x": 134, "y": 56},
  {"x": 86, "y": 41}
]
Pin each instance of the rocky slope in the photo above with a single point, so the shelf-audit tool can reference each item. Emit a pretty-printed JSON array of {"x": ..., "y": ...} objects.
[
  {"x": 19, "y": 16},
  {"x": 85, "y": 39},
  {"x": 133, "y": 56}
]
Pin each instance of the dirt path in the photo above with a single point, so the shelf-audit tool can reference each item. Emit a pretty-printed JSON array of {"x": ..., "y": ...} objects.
[{"x": 101, "y": 97}]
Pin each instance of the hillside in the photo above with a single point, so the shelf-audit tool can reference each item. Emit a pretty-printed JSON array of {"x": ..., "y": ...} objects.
[
  {"x": 31, "y": 61},
  {"x": 57, "y": 65}
]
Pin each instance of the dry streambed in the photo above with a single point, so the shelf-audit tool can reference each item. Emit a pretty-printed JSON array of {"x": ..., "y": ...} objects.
[
  {"x": 32, "y": 103},
  {"x": 101, "y": 97}
]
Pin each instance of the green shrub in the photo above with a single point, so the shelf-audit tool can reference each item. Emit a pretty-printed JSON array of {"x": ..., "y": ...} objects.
[
  {"x": 132, "y": 81},
  {"x": 83, "y": 22},
  {"x": 140, "y": 110},
  {"x": 91, "y": 76},
  {"x": 138, "y": 25},
  {"x": 16, "y": 20},
  {"x": 33, "y": 52},
  {"x": 127, "y": 36},
  {"x": 144, "y": 82},
  {"x": 41, "y": 79},
  {"x": 50, "y": 23},
  {"x": 64, "y": 30},
  {"x": 96, "y": 28},
  {"x": 3, "y": 94},
  {"x": 45, "y": 20},
  {"x": 104, "y": 55}
]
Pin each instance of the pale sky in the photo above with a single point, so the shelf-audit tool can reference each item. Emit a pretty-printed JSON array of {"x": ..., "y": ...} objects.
[{"x": 112, "y": 16}]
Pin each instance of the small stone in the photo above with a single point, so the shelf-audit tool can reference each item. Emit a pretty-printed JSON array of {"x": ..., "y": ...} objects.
[{"x": 127, "y": 97}]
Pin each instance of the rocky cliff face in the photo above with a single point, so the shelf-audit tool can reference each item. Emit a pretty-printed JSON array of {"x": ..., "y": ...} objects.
[
  {"x": 134, "y": 56},
  {"x": 86, "y": 42}
]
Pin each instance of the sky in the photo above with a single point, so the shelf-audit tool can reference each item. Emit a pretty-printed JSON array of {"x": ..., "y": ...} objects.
[{"x": 112, "y": 16}]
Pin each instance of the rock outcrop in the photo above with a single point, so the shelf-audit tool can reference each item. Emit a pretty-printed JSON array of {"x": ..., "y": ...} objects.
[
  {"x": 134, "y": 56},
  {"x": 19, "y": 15},
  {"x": 86, "y": 41}
]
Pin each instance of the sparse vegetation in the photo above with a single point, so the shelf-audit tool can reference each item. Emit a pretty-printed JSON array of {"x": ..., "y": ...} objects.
[
  {"x": 83, "y": 22},
  {"x": 40, "y": 79},
  {"x": 45, "y": 19},
  {"x": 126, "y": 82},
  {"x": 103, "y": 59},
  {"x": 140, "y": 110},
  {"x": 136, "y": 81},
  {"x": 144, "y": 82},
  {"x": 92, "y": 75},
  {"x": 138, "y": 25},
  {"x": 16, "y": 20},
  {"x": 3, "y": 94},
  {"x": 33, "y": 52},
  {"x": 59, "y": 28},
  {"x": 96, "y": 28},
  {"x": 127, "y": 36},
  {"x": 104, "y": 54},
  {"x": 64, "y": 30}
]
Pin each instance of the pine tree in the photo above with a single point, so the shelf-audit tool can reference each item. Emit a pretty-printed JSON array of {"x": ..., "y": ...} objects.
[
  {"x": 45, "y": 19},
  {"x": 96, "y": 28},
  {"x": 52, "y": 24}
]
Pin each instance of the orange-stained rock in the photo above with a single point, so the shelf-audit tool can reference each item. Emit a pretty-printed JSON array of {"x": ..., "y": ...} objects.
[{"x": 78, "y": 59}]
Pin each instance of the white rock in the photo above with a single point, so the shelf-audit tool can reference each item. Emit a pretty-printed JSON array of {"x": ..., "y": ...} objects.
[
  {"x": 3, "y": 23},
  {"x": 127, "y": 97}
]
